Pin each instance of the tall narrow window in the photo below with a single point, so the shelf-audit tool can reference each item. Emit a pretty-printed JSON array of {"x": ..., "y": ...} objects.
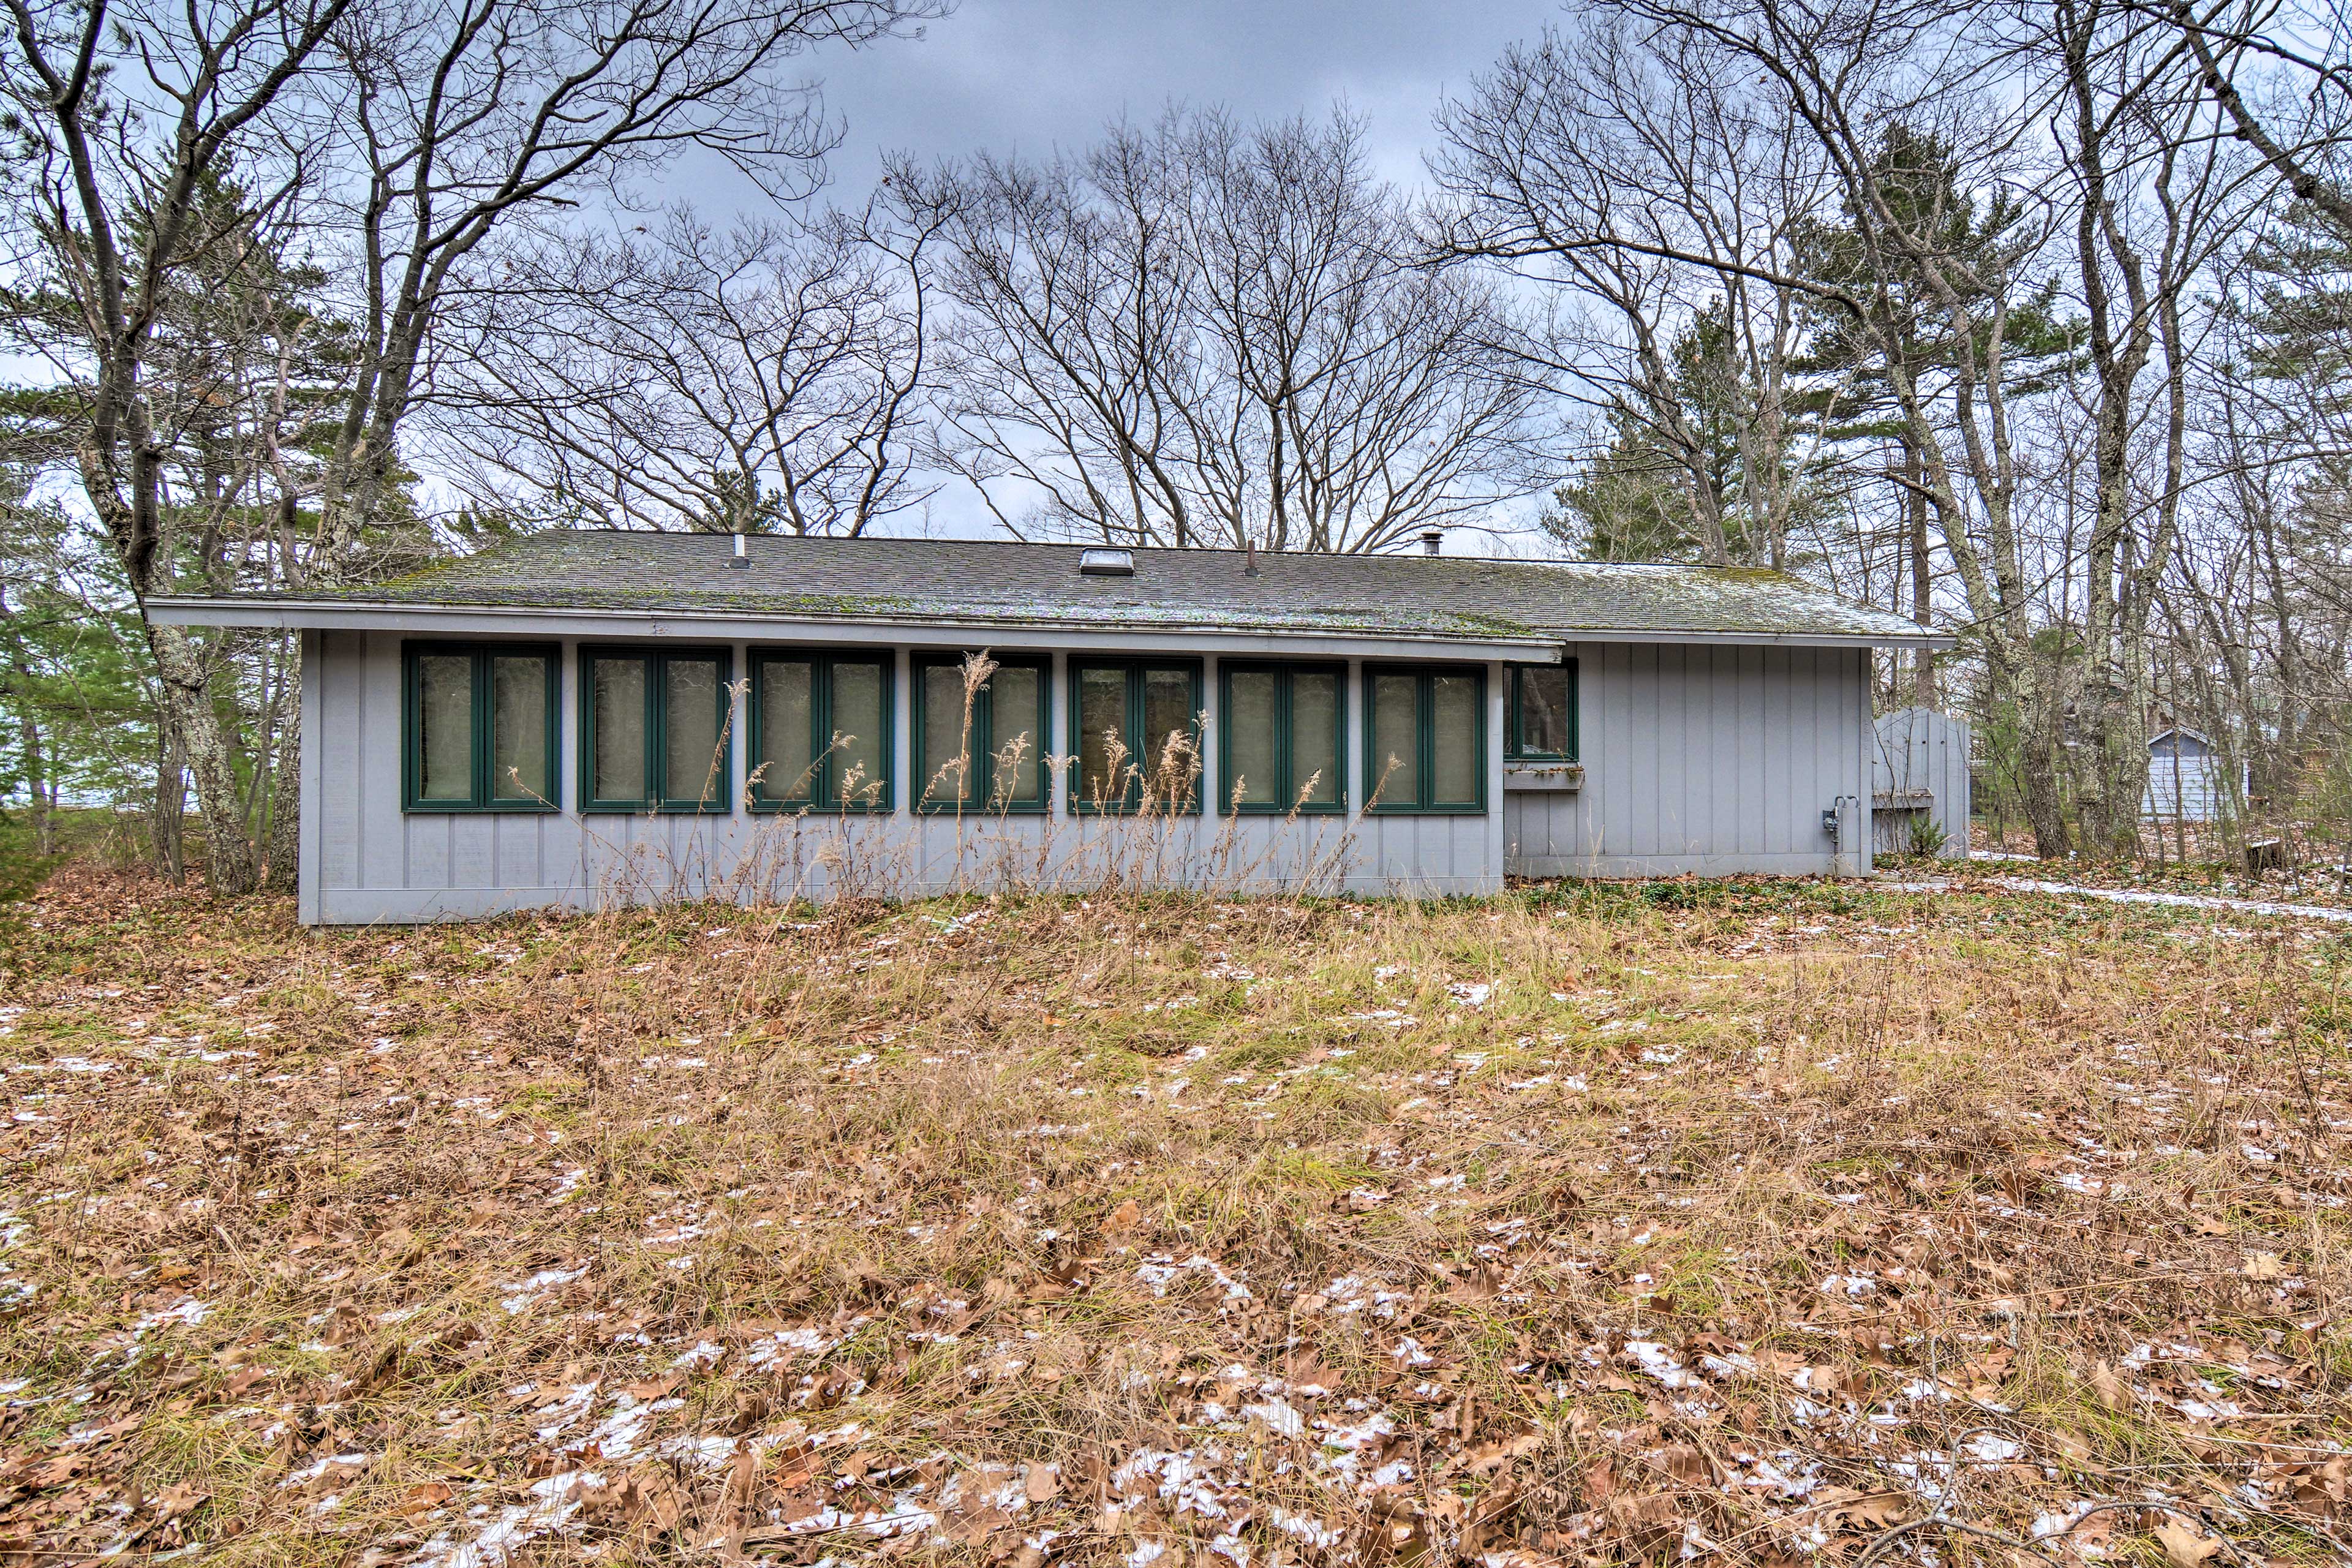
[
  {"x": 654, "y": 729},
  {"x": 478, "y": 728},
  {"x": 1280, "y": 734},
  {"x": 1541, "y": 726},
  {"x": 979, "y": 747},
  {"x": 821, "y": 732},
  {"x": 1425, "y": 741},
  {"x": 1136, "y": 732}
]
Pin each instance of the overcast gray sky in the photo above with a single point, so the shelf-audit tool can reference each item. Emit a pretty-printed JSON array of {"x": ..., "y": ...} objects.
[{"x": 1027, "y": 76}]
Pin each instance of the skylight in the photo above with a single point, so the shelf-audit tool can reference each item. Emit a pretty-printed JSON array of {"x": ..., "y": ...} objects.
[{"x": 1106, "y": 563}]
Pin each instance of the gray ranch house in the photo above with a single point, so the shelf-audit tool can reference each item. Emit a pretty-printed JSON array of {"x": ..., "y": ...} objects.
[{"x": 583, "y": 717}]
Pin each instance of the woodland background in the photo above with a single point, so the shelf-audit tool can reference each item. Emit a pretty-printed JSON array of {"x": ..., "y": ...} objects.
[{"x": 2028, "y": 321}]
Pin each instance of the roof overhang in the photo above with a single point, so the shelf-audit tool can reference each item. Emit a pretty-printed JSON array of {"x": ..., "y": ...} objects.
[
  {"x": 942, "y": 632},
  {"x": 1931, "y": 640},
  {"x": 945, "y": 631}
]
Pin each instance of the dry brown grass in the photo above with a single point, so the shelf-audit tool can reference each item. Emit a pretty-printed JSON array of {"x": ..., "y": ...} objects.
[{"x": 1801, "y": 1221}]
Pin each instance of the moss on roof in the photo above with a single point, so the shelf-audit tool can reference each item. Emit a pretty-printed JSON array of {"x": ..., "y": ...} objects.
[{"x": 967, "y": 581}]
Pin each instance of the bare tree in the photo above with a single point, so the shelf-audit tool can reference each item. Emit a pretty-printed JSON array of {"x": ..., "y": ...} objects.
[
  {"x": 756, "y": 379},
  {"x": 1627, "y": 166},
  {"x": 1846, "y": 78},
  {"x": 1202, "y": 334},
  {"x": 164, "y": 151},
  {"x": 2155, "y": 196},
  {"x": 470, "y": 118},
  {"x": 2301, "y": 140},
  {"x": 129, "y": 118}
]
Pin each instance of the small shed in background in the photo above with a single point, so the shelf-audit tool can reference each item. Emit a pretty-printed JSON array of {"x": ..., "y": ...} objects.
[
  {"x": 2188, "y": 778},
  {"x": 1920, "y": 776}
]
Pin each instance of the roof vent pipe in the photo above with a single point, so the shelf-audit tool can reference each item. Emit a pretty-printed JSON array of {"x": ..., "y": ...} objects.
[
  {"x": 1249, "y": 567},
  {"x": 1429, "y": 540},
  {"x": 740, "y": 558}
]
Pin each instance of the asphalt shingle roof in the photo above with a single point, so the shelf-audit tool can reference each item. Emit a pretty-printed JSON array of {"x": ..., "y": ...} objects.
[{"x": 918, "y": 580}]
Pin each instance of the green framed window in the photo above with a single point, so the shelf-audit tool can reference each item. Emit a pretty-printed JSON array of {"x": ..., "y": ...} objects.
[
  {"x": 1542, "y": 724},
  {"x": 653, "y": 734},
  {"x": 1425, "y": 739},
  {"x": 983, "y": 750},
  {"x": 821, "y": 730},
  {"x": 480, "y": 727},
  {"x": 1281, "y": 733},
  {"x": 1135, "y": 730}
]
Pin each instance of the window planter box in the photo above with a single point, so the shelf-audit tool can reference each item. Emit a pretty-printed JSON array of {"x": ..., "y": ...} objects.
[{"x": 1519, "y": 776}]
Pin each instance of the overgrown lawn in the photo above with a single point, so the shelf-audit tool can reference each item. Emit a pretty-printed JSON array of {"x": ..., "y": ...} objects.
[{"x": 1761, "y": 1223}]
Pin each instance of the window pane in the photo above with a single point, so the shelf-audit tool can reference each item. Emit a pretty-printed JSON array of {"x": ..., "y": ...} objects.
[
  {"x": 947, "y": 771},
  {"x": 444, "y": 740},
  {"x": 1314, "y": 743},
  {"x": 1395, "y": 771},
  {"x": 691, "y": 760},
  {"x": 785, "y": 715},
  {"x": 861, "y": 748},
  {"x": 1168, "y": 710},
  {"x": 1543, "y": 709},
  {"x": 1105, "y": 749},
  {"x": 1248, "y": 737},
  {"x": 519, "y": 728},
  {"x": 620, "y": 720},
  {"x": 1455, "y": 699},
  {"x": 1017, "y": 771}
]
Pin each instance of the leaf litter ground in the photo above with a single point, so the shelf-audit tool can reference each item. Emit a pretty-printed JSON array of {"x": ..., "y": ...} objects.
[{"x": 1773, "y": 1223}]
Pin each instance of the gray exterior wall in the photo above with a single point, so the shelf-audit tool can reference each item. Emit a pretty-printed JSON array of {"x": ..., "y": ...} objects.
[
  {"x": 1712, "y": 759},
  {"x": 1708, "y": 759},
  {"x": 365, "y": 860}
]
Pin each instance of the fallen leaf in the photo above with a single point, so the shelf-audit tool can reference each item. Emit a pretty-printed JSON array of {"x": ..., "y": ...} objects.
[
  {"x": 2183, "y": 1546},
  {"x": 180, "y": 1497},
  {"x": 424, "y": 1498}
]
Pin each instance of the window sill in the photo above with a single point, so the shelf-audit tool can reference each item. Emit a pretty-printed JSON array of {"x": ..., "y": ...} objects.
[
  {"x": 1426, "y": 811},
  {"x": 1161, "y": 813},
  {"x": 1039, "y": 809},
  {"x": 467, "y": 808},
  {"x": 811, "y": 808},
  {"x": 1279, "y": 810},
  {"x": 1536, "y": 775},
  {"x": 708, "y": 809}
]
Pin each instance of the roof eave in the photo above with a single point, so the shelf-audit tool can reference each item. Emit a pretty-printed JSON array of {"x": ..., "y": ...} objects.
[
  {"x": 363, "y": 614},
  {"x": 340, "y": 614},
  {"x": 1930, "y": 640}
]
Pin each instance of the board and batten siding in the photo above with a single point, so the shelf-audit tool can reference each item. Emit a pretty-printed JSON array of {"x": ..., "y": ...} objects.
[
  {"x": 1920, "y": 775},
  {"x": 1706, "y": 757},
  {"x": 365, "y": 861},
  {"x": 2188, "y": 781}
]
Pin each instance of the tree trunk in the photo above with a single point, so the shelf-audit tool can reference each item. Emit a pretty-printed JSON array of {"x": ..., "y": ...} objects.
[
  {"x": 169, "y": 843},
  {"x": 283, "y": 842},
  {"x": 1915, "y": 495},
  {"x": 2039, "y": 747},
  {"x": 36, "y": 788},
  {"x": 231, "y": 865}
]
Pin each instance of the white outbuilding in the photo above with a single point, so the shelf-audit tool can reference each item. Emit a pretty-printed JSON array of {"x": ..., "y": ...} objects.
[{"x": 2188, "y": 778}]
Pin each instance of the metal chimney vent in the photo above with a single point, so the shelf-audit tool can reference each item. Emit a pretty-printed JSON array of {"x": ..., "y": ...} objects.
[{"x": 1106, "y": 563}]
